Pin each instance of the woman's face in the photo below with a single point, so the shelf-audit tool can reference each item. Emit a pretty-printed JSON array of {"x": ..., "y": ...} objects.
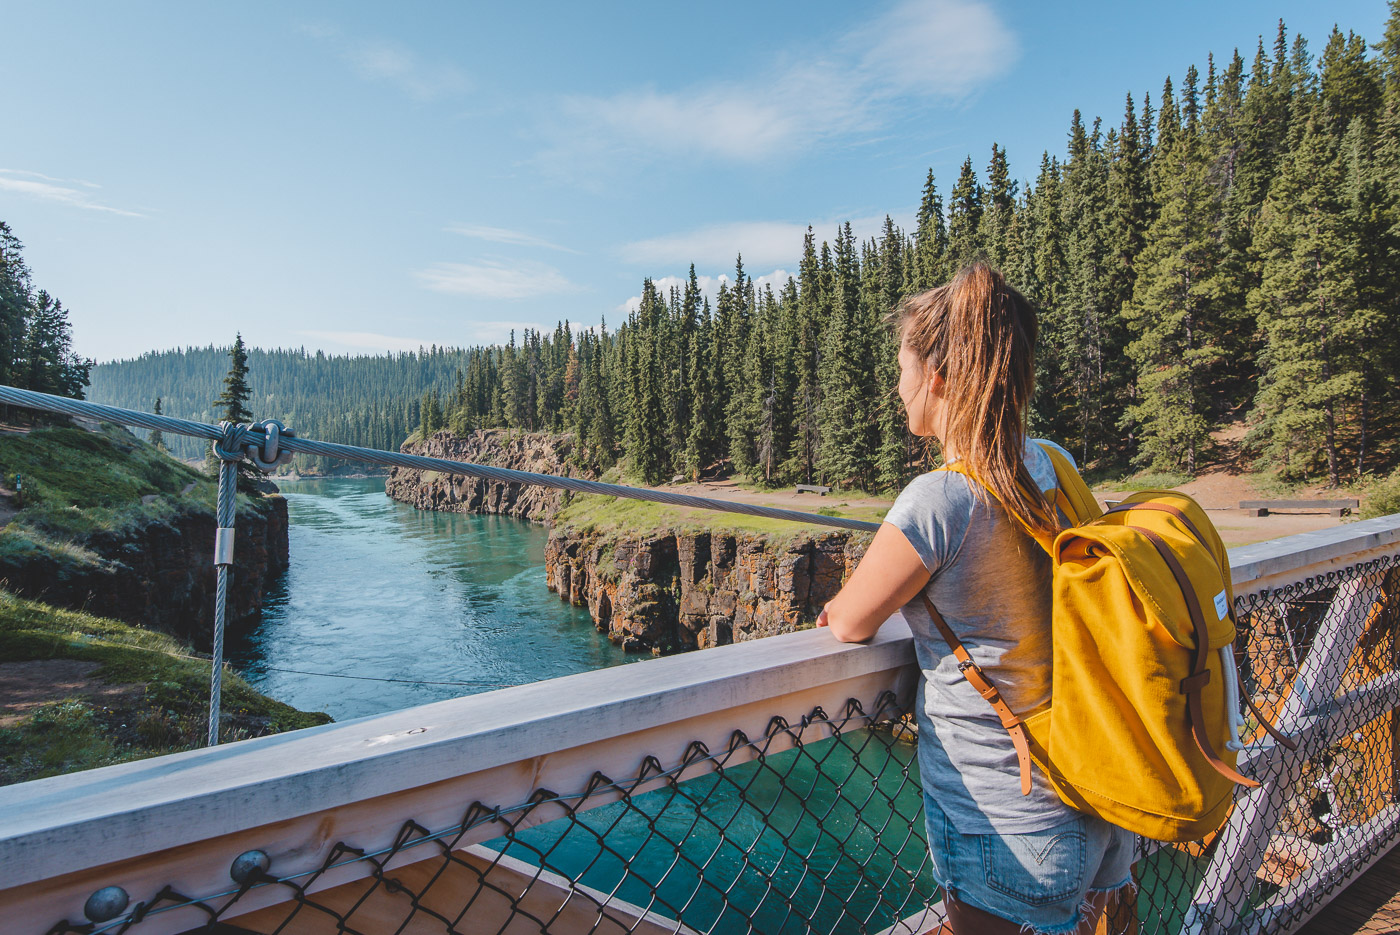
[{"x": 915, "y": 391}]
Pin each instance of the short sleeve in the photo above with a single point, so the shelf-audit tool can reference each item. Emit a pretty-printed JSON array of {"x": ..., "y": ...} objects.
[
  {"x": 933, "y": 513},
  {"x": 1060, "y": 448}
]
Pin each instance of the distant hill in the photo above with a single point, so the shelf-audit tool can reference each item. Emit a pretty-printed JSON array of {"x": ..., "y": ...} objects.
[{"x": 366, "y": 400}]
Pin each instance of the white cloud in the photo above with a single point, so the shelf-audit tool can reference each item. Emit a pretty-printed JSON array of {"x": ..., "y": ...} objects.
[
  {"x": 940, "y": 48},
  {"x": 366, "y": 340},
  {"x": 503, "y": 235},
  {"x": 47, "y": 188},
  {"x": 393, "y": 63},
  {"x": 716, "y": 245},
  {"x": 916, "y": 52},
  {"x": 492, "y": 279},
  {"x": 761, "y": 243}
]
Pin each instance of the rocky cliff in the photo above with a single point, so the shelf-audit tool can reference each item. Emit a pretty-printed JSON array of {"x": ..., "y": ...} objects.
[
  {"x": 674, "y": 591},
  {"x": 161, "y": 574},
  {"x": 538, "y": 452}
]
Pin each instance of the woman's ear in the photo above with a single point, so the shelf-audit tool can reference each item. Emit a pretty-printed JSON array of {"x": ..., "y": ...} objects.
[{"x": 934, "y": 384}]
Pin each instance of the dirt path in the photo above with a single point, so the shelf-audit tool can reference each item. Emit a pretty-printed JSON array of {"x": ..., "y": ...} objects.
[
  {"x": 786, "y": 498},
  {"x": 26, "y": 685}
]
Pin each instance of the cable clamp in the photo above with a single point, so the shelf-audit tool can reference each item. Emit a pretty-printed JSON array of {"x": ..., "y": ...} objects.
[
  {"x": 223, "y": 546},
  {"x": 230, "y": 447},
  {"x": 269, "y": 457}
]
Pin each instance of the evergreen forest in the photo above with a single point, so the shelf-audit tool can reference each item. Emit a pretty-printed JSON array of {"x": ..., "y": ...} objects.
[
  {"x": 36, "y": 338},
  {"x": 1225, "y": 252}
]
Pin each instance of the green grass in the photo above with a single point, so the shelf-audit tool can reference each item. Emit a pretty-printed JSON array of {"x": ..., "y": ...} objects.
[
  {"x": 1382, "y": 496},
  {"x": 166, "y": 712},
  {"x": 78, "y": 483},
  {"x": 612, "y": 515},
  {"x": 1142, "y": 480}
]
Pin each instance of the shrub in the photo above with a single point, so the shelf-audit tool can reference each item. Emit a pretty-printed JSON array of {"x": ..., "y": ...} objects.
[{"x": 1383, "y": 496}]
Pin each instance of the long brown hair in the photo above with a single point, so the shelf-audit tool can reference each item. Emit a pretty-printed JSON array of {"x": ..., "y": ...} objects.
[{"x": 978, "y": 334}]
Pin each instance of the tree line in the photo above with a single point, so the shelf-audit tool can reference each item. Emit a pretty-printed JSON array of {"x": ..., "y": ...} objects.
[
  {"x": 371, "y": 401},
  {"x": 1226, "y": 252},
  {"x": 36, "y": 338}
]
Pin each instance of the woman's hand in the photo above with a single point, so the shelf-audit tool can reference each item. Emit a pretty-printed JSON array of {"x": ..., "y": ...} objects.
[{"x": 889, "y": 576}]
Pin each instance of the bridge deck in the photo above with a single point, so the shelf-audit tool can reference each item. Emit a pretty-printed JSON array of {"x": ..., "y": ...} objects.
[{"x": 1370, "y": 906}]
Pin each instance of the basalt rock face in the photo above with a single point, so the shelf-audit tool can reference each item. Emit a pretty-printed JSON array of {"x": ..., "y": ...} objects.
[
  {"x": 454, "y": 493},
  {"x": 670, "y": 592},
  {"x": 161, "y": 575}
]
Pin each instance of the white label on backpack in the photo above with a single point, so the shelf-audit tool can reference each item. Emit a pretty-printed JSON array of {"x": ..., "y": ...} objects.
[{"x": 1222, "y": 607}]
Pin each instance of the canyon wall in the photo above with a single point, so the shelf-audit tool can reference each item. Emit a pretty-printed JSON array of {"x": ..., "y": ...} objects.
[
  {"x": 539, "y": 453},
  {"x": 663, "y": 591}
]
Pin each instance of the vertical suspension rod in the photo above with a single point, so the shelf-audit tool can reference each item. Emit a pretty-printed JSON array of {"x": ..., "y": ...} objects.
[{"x": 223, "y": 566}]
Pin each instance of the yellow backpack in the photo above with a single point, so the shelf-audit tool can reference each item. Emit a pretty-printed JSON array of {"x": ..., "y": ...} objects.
[{"x": 1142, "y": 728}]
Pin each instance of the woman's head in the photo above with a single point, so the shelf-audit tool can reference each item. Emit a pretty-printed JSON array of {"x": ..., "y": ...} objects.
[{"x": 967, "y": 372}]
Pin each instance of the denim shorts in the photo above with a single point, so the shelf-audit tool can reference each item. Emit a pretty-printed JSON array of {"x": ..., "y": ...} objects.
[{"x": 1040, "y": 879}]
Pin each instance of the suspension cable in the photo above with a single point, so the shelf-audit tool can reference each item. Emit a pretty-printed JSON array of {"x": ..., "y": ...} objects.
[{"x": 254, "y": 437}]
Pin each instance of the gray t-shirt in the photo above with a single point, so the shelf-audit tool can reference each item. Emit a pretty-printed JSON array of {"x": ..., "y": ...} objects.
[{"x": 991, "y": 583}]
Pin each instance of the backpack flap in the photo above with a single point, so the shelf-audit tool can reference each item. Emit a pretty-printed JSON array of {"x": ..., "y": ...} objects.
[{"x": 1192, "y": 540}]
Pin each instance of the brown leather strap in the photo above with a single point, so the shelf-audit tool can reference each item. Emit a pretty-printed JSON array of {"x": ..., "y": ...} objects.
[
  {"x": 1192, "y": 685},
  {"x": 1174, "y": 511},
  {"x": 1278, "y": 735},
  {"x": 979, "y": 680}
]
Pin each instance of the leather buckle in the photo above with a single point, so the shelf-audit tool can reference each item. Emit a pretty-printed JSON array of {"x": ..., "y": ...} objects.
[{"x": 1195, "y": 682}]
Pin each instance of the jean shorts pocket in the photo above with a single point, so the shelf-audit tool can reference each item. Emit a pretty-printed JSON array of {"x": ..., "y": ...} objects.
[{"x": 1039, "y": 868}]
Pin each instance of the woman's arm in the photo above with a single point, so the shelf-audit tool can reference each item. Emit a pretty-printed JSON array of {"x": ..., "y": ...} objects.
[{"x": 888, "y": 577}]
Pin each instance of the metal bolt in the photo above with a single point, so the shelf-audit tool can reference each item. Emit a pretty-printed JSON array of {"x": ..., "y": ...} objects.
[
  {"x": 249, "y": 866},
  {"x": 106, "y": 904}
]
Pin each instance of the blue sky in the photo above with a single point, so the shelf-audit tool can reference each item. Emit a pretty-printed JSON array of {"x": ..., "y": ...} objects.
[{"x": 361, "y": 177}]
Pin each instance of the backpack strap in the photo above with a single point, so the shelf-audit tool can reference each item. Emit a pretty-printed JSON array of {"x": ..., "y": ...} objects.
[
  {"x": 1071, "y": 495},
  {"x": 1272, "y": 731},
  {"x": 1192, "y": 685},
  {"x": 978, "y": 680}
]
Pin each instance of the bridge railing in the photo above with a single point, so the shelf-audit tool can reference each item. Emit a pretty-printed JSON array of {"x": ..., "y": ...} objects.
[{"x": 767, "y": 786}]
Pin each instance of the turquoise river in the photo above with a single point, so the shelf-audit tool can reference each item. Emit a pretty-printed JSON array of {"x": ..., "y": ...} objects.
[{"x": 385, "y": 606}]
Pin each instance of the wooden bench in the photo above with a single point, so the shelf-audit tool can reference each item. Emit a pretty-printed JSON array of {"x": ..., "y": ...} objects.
[
  {"x": 813, "y": 488},
  {"x": 1262, "y": 507}
]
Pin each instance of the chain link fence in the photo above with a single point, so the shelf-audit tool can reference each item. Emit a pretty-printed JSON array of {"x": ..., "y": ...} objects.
[{"x": 817, "y": 826}]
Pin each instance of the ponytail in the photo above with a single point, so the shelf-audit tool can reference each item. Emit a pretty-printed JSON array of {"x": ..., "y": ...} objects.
[{"x": 978, "y": 334}]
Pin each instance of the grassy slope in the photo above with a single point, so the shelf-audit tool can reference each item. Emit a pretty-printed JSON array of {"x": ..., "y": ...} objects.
[
  {"x": 614, "y": 515},
  {"x": 78, "y": 484},
  {"x": 165, "y": 712}
]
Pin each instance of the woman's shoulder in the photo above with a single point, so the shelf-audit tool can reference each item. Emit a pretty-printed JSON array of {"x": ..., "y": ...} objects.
[
  {"x": 936, "y": 491},
  {"x": 1042, "y": 443}
]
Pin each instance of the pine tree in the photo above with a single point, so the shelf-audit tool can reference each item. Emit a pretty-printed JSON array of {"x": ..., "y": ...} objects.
[
  {"x": 15, "y": 291},
  {"x": 843, "y": 456},
  {"x": 47, "y": 363},
  {"x": 813, "y": 305},
  {"x": 157, "y": 440},
  {"x": 1307, "y": 308},
  {"x": 1175, "y": 301},
  {"x": 1000, "y": 202},
  {"x": 232, "y": 406},
  {"x": 930, "y": 240},
  {"x": 965, "y": 217}
]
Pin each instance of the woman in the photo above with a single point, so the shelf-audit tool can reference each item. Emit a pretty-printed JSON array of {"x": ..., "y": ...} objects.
[{"x": 1004, "y": 859}]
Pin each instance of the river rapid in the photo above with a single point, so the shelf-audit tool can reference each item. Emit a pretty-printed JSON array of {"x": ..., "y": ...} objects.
[{"x": 418, "y": 606}]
